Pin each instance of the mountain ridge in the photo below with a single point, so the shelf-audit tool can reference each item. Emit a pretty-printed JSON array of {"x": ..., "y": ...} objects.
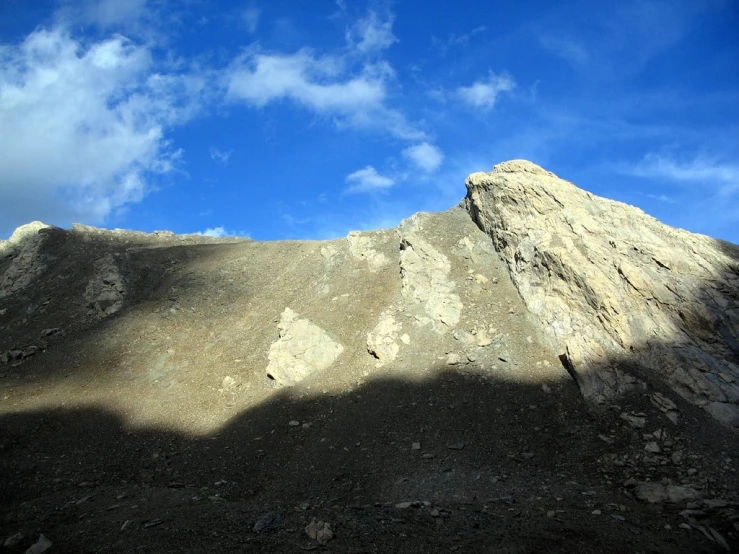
[{"x": 398, "y": 374}]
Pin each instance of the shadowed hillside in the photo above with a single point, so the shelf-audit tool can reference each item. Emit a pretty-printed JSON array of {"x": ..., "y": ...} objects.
[{"x": 406, "y": 388}]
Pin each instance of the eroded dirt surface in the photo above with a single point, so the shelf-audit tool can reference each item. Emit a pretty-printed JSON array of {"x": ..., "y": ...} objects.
[{"x": 155, "y": 428}]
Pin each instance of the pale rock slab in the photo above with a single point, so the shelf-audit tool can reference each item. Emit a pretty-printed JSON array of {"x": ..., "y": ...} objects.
[
  {"x": 360, "y": 246},
  {"x": 614, "y": 287},
  {"x": 425, "y": 279},
  {"x": 382, "y": 341},
  {"x": 302, "y": 349}
]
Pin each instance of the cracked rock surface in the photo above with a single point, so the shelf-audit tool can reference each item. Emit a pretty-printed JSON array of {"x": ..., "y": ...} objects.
[{"x": 609, "y": 283}]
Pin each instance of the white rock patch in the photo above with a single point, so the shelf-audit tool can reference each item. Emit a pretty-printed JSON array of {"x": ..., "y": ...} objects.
[
  {"x": 360, "y": 246},
  {"x": 425, "y": 279},
  {"x": 381, "y": 342},
  {"x": 303, "y": 348}
]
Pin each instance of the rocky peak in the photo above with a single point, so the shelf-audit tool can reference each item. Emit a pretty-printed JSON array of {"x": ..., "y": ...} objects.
[{"x": 628, "y": 300}]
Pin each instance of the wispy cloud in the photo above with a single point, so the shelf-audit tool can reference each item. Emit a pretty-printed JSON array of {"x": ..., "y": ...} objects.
[
  {"x": 456, "y": 41},
  {"x": 371, "y": 33},
  {"x": 484, "y": 94},
  {"x": 89, "y": 125},
  {"x": 425, "y": 156},
  {"x": 250, "y": 17},
  {"x": 104, "y": 13},
  {"x": 721, "y": 178},
  {"x": 367, "y": 180},
  {"x": 662, "y": 198},
  {"x": 220, "y": 155},
  {"x": 566, "y": 48}
]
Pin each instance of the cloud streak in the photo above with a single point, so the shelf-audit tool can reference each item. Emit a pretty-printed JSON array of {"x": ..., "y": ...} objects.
[{"x": 722, "y": 178}]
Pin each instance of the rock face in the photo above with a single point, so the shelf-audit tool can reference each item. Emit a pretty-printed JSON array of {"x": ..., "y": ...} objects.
[
  {"x": 23, "y": 246},
  {"x": 624, "y": 297}
]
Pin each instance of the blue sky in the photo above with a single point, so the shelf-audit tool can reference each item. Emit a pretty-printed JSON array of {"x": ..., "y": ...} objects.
[{"x": 289, "y": 119}]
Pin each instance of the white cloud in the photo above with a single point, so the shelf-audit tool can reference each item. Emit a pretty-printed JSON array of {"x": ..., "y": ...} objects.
[
  {"x": 220, "y": 155},
  {"x": 302, "y": 77},
  {"x": 349, "y": 85},
  {"x": 214, "y": 232},
  {"x": 321, "y": 84},
  {"x": 484, "y": 94},
  {"x": 221, "y": 231},
  {"x": 88, "y": 126},
  {"x": 722, "y": 178},
  {"x": 425, "y": 156},
  {"x": 367, "y": 180},
  {"x": 250, "y": 17},
  {"x": 371, "y": 34}
]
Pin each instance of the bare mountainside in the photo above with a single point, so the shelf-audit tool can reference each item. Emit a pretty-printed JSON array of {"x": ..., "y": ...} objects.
[{"x": 403, "y": 389}]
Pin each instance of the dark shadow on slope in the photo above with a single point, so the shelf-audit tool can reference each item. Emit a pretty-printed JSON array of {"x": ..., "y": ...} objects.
[{"x": 505, "y": 468}]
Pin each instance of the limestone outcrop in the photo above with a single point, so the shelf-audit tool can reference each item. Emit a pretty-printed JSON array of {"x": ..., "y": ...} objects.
[
  {"x": 625, "y": 298},
  {"x": 303, "y": 348}
]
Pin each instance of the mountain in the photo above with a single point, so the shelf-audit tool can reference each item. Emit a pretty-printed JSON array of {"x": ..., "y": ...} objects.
[{"x": 536, "y": 369}]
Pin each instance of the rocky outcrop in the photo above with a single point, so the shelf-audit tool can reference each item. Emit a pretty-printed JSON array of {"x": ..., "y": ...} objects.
[
  {"x": 106, "y": 290},
  {"x": 361, "y": 247},
  {"x": 24, "y": 247},
  {"x": 382, "y": 342},
  {"x": 623, "y": 297},
  {"x": 425, "y": 278},
  {"x": 302, "y": 349}
]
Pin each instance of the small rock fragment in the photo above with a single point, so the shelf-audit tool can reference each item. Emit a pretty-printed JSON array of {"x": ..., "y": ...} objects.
[
  {"x": 41, "y": 545},
  {"x": 637, "y": 422},
  {"x": 319, "y": 531},
  {"x": 13, "y": 540},
  {"x": 269, "y": 521},
  {"x": 656, "y": 493}
]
